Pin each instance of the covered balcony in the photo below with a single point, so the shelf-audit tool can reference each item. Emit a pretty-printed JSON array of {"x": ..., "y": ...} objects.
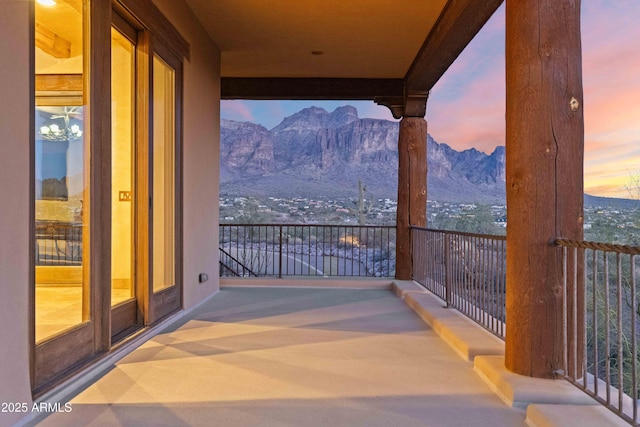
[
  {"x": 316, "y": 330},
  {"x": 398, "y": 325},
  {"x": 540, "y": 288}
]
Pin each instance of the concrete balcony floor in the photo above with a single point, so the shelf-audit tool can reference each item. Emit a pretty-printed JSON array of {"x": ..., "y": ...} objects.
[{"x": 292, "y": 357}]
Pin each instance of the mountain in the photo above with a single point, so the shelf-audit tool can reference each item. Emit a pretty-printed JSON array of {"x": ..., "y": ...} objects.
[
  {"x": 314, "y": 152},
  {"x": 610, "y": 202},
  {"x": 246, "y": 150}
]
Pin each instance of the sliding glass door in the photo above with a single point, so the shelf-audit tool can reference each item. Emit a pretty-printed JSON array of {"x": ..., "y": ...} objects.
[
  {"x": 107, "y": 189},
  {"x": 106, "y": 173},
  {"x": 125, "y": 307},
  {"x": 144, "y": 183},
  {"x": 165, "y": 290},
  {"x": 64, "y": 297}
]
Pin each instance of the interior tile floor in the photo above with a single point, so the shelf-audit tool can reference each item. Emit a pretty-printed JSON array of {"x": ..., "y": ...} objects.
[
  {"x": 59, "y": 308},
  {"x": 292, "y": 357}
]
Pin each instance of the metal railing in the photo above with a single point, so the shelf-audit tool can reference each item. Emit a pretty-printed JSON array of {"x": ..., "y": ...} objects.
[
  {"x": 601, "y": 312},
  {"x": 278, "y": 250},
  {"x": 231, "y": 267},
  {"x": 58, "y": 243},
  {"x": 601, "y": 304},
  {"x": 466, "y": 270}
]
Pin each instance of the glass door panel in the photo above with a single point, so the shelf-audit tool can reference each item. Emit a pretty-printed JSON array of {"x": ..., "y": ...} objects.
[
  {"x": 164, "y": 189},
  {"x": 126, "y": 307},
  {"x": 61, "y": 168},
  {"x": 164, "y": 287},
  {"x": 66, "y": 309},
  {"x": 122, "y": 167}
]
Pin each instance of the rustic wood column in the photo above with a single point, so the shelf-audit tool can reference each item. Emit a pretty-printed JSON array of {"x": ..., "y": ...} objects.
[
  {"x": 544, "y": 172},
  {"x": 412, "y": 189}
]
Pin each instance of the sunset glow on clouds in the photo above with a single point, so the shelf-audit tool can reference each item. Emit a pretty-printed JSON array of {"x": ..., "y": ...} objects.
[
  {"x": 611, "y": 79},
  {"x": 466, "y": 108}
]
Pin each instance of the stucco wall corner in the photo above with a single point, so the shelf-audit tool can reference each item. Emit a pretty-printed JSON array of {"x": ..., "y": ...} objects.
[{"x": 16, "y": 35}]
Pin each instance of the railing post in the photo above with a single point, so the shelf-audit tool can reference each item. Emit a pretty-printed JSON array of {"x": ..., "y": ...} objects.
[
  {"x": 447, "y": 268},
  {"x": 280, "y": 252}
]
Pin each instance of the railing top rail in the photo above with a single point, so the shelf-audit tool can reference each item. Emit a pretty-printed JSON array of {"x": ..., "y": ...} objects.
[
  {"x": 460, "y": 233},
  {"x": 306, "y": 225},
  {"x": 606, "y": 247}
]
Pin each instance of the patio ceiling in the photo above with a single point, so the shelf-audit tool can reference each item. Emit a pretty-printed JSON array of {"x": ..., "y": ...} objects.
[
  {"x": 287, "y": 48},
  {"x": 358, "y": 38}
]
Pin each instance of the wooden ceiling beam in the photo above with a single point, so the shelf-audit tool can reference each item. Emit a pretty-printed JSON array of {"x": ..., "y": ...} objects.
[
  {"x": 52, "y": 43},
  {"x": 59, "y": 82},
  {"x": 310, "y": 88},
  {"x": 458, "y": 24}
]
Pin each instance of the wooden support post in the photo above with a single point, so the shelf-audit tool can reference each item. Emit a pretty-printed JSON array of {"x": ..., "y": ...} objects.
[
  {"x": 412, "y": 189},
  {"x": 544, "y": 172}
]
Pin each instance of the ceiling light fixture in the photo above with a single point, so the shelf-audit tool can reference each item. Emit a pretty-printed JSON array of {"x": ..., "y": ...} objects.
[
  {"x": 47, "y": 2},
  {"x": 63, "y": 130}
]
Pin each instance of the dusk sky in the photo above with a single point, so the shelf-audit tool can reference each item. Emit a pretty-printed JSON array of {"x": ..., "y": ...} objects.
[{"x": 466, "y": 108}]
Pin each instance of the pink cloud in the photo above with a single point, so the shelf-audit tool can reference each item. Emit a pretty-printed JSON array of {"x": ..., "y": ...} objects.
[
  {"x": 475, "y": 117},
  {"x": 467, "y": 106},
  {"x": 236, "y": 110},
  {"x": 611, "y": 75}
]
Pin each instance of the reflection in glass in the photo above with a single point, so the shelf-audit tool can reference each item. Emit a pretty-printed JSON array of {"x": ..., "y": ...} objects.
[
  {"x": 122, "y": 145},
  {"x": 163, "y": 175},
  {"x": 61, "y": 171}
]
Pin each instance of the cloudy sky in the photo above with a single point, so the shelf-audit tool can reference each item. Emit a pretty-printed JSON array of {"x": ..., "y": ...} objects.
[{"x": 466, "y": 107}]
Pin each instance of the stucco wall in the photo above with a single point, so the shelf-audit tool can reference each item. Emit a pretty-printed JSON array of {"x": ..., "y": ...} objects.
[
  {"x": 201, "y": 150},
  {"x": 15, "y": 110}
]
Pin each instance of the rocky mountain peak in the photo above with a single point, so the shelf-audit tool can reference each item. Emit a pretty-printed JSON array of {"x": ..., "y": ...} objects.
[
  {"x": 309, "y": 118},
  {"x": 321, "y": 152},
  {"x": 500, "y": 150},
  {"x": 317, "y": 118},
  {"x": 342, "y": 116}
]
